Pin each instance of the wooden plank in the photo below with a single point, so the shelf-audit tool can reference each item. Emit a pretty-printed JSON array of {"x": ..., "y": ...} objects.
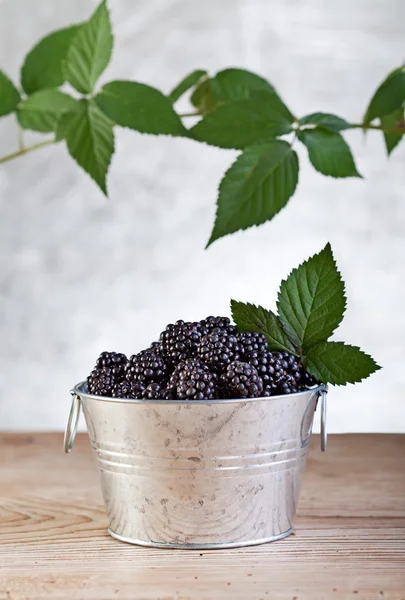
[{"x": 349, "y": 541}]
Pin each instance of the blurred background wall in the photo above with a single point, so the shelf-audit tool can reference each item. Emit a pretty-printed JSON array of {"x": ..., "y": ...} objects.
[{"x": 80, "y": 273}]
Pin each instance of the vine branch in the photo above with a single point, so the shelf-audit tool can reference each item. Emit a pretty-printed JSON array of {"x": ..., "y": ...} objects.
[
  {"x": 22, "y": 151},
  {"x": 364, "y": 126},
  {"x": 367, "y": 126}
]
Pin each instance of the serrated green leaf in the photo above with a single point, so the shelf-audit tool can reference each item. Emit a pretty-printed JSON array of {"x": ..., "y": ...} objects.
[
  {"x": 186, "y": 84},
  {"x": 141, "y": 107},
  {"x": 229, "y": 85},
  {"x": 338, "y": 363},
  {"x": 389, "y": 96},
  {"x": 311, "y": 301},
  {"x": 42, "y": 68},
  {"x": 89, "y": 137},
  {"x": 42, "y": 110},
  {"x": 395, "y": 119},
  {"x": 243, "y": 122},
  {"x": 90, "y": 51},
  {"x": 9, "y": 95},
  {"x": 237, "y": 84},
  {"x": 256, "y": 187},
  {"x": 326, "y": 121},
  {"x": 329, "y": 153},
  {"x": 248, "y": 317}
]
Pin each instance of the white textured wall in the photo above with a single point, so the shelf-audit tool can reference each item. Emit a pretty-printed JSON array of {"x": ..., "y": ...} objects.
[{"x": 80, "y": 273}]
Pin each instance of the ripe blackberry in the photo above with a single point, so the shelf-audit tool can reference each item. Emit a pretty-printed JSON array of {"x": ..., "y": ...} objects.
[
  {"x": 218, "y": 349},
  {"x": 192, "y": 380},
  {"x": 116, "y": 361},
  {"x": 251, "y": 342},
  {"x": 170, "y": 393},
  {"x": 295, "y": 377},
  {"x": 154, "y": 391},
  {"x": 146, "y": 367},
  {"x": 268, "y": 366},
  {"x": 179, "y": 342},
  {"x": 306, "y": 380},
  {"x": 289, "y": 362},
  {"x": 101, "y": 381},
  {"x": 125, "y": 389},
  {"x": 210, "y": 323},
  {"x": 287, "y": 385},
  {"x": 241, "y": 380}
]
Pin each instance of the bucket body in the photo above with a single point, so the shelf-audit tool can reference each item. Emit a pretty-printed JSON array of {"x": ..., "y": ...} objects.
[{"x": 201, "y": 474}]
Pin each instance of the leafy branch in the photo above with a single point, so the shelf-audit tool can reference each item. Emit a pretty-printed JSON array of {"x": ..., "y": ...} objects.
[
  {"x": 235, "y": 109},
  {"x": 311, "y": 304}
]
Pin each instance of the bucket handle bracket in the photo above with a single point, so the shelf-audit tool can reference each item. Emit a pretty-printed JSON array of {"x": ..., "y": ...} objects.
[{"x": 71, "y": 425}]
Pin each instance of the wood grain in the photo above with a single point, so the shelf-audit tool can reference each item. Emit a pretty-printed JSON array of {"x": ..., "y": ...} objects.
[{"x": 349, "y": 541}]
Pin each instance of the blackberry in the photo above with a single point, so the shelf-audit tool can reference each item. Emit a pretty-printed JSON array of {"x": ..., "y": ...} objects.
[
  {"x": 241, "y": 380},
  {"x": 116, "y": 361},
  {"x": 125, "y": 389},
  {"x": 251, "y": 342},
  {"x": 268, "y": 366},
  {"x": 170, "y": 393},
  {"x": 154, "y": 391},
  {"x": 290, "y": 363},
  {"x": 306, "y": 380},
  {"x": 192, "y": 380},
  {"x": 101, "y": 381},
  {"x": 189, "y": 363},
  {"x": 218, "y": 349},
  {"x": 210, "y": 323},
  {"x": 295, "y": 377},
  {"x": 281, "y": 372},
  {"x": 179, "y": 341},
  {"x": 145, "y": 368},
  {"x": 287, "y": 385}
]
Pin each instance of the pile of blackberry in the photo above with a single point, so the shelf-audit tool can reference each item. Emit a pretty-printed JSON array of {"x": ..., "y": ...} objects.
[{"x": 200, "y": 360}]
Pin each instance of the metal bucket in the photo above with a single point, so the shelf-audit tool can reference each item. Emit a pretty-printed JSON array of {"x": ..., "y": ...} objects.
[{"x": 199, "y": 474}]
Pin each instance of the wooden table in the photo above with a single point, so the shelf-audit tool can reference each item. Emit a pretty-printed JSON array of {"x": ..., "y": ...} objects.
[{"x": 349, "y": 541}]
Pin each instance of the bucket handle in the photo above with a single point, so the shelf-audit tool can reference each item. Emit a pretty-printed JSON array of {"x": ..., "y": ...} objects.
[
  {"x": 324, "y": 434},
  {"x": 71, "y": 425}
]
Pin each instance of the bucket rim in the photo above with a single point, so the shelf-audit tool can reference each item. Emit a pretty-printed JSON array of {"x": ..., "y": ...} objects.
[{"x": 80, "y": 390}]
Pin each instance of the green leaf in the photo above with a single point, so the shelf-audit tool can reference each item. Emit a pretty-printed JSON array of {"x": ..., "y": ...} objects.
[
  {"x": 9, "y": 96},
  {"x": 388, "y": 97},
  {"x": 237, "y": 84},
  {"x": 42, "y": 66},
  {"x": 256, "y": 187},
  {"x": 311, "y": 301},
  {"x": 42, "y": 110},
  {"x": 229, "y": 85},
  {"x": 90, "y": 139},
  {"x": 187, "y": 83},
  {"x": 90, "y": 51},
  {"x": 326, "y": 121},
  {"x": 141, "y": 107},
  {"x": 338, "y": 363},
  {"x": 203, "y": 98},
  {"x": 395, "y": 119},
  {"x": 329, "y": 153},
  {"x": 244, "y": 122},
  {"x": 248, "y": 317}
]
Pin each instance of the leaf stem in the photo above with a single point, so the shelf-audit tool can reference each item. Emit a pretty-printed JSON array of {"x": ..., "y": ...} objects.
[
  {"x": 193, "y": 114},
  {"x": 22, "y": 151},
  {"x": 366, "y": 126},
  {"x": 20, "y": 139}
]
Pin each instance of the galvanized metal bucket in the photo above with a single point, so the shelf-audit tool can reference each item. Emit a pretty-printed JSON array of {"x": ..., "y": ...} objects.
[{"x": 199, "y": 474}]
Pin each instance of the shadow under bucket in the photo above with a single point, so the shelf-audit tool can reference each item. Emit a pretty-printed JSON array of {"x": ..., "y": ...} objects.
[{"x": 199, "y": 474}]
